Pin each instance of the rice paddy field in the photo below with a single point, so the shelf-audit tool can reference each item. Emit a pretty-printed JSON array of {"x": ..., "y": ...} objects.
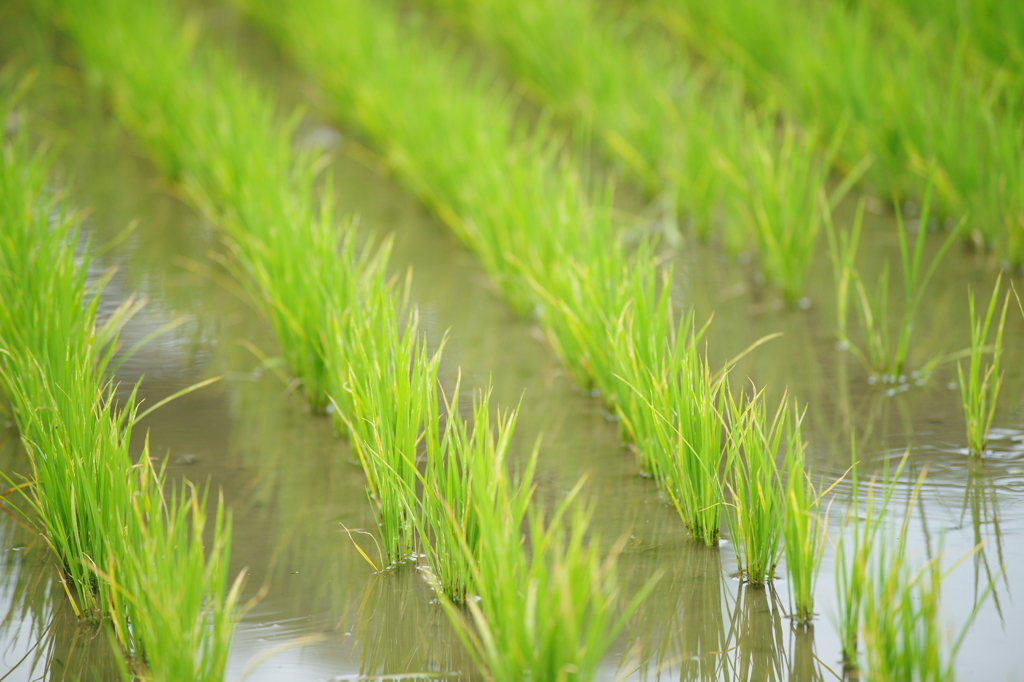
[{"x": 511, "y": 340}]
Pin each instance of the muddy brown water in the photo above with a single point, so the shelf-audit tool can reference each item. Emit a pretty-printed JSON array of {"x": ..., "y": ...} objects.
[{"x": 293, "y": 486}]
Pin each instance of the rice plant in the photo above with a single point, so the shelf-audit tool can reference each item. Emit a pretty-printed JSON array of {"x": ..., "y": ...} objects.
[
  {"x": 675, "y": 412},
  {"x": 903, "y": 630},
  {"x": 781, "y": 179},
  {"x": 549, "y": 612},
  {"x": 805, "y": 526},
  {"x": 857, "y": 538},
  {"x": 172, "y": 608},
  {"x": 903, "y": 633},
  {"x": 979, "y": 389},
  {"x": 757, "y": 504},
  {"x": 391, "y": 386},
  {"x": 884, "y": 355},
  {"x": 465, "y": 469}
]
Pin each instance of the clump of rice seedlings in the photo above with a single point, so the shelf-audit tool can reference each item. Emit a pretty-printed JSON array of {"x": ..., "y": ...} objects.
[
  {"x": 84, "y": 489},
  {"x": 885, "y": 356},
  {"x": 465, "y": 468},
  {"x": 901, "y": 618},
  {"x": 804, "y": 528},
  {"x": 162, "y": 582},
  {"x": 391, "y": 387},
  {"x": 549, "y": 611},
  {"x": 781, "y": 181},
  {"x": 980, "y": 388},
  {"x": 757, "y": 503},
  {"x": 682, "y": 444},
  {"x": 903, "y": 633},
  {"x": 857, "y": 539},
  {"x": 220, "y": 138}
]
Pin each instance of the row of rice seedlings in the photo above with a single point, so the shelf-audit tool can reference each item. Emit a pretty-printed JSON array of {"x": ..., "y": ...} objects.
[
  {"x": 219, "y": 137},
  {"x": 915, "y": 108},
  {"x": 386, "y": 397},
  {"x": 979, "y": 389},
  {"x": 157, "y": 584},
  {"x": 333, "y": 309},
  {"x": 882, "y": 355},
  {"x": 703, "y": 153}
]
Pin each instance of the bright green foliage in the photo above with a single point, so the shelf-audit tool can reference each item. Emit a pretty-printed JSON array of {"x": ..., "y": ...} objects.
[
  {"x": 218, "y": 136},
  {"x": 903, "y": 628},
  {"x": 465, "y": 470},
  {"x": 701, "y": 153},
  {"x": 548, "y": 612},
  {"x": 675, "y": 413},
  {"x": 979, "y": 389},
  {"x": 162, "y": 582},
  {"x": 916, "y": 105},
  {"x": 804, "y": 529},
  {"x": 450, "y": 136},
  {"x": 391, "y": 388},
  {"x": 757, "y": 499},
  {"x": 84, "y": 488}
]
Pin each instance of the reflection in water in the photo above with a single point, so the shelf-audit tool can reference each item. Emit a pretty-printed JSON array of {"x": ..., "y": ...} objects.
[
  {"x": 756, "y": 644},
  {"x": 981, "y": 501},
  {"x": 400, "y": 632},
  {"x": 680, "y": 628}
]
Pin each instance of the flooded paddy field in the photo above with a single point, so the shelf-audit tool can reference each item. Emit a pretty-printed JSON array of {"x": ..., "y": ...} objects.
[{"x": 298, "y": 494}]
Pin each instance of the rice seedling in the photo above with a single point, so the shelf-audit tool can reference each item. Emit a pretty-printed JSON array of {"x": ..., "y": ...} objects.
[
  {"x": 685, "y": 150},
  {"x": 804, "y": 528},
  {"x": 979, "y": 390},
  {"x": 857, "y": 539},
  {"x": 549, "y": 613},
  {"x": 757, "y": 503},
  {"x": 676, "y": 413},
  {"x": 883, "y": 355},
  {"x": 464, "y": 470},
  {"x": 391, "y": 387},
  {"x": 903, "y": 636},
  {"x": 903, "y": 633},
  {"x": 219, "y": 137},
  {"x": 52, "y": 363}
]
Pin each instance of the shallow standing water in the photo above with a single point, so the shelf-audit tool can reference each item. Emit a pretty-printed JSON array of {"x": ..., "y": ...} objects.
[{"x": 294, "y": 488}]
